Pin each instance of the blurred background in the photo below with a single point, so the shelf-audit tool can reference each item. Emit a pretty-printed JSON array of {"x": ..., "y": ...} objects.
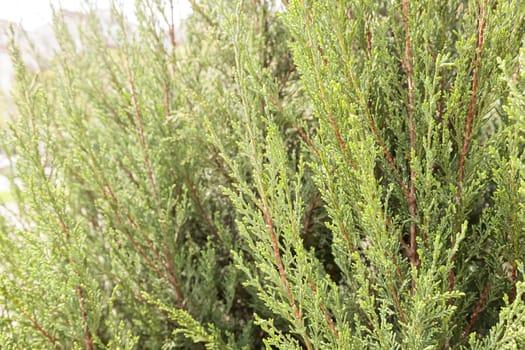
[{"x": 31, "y": 21}]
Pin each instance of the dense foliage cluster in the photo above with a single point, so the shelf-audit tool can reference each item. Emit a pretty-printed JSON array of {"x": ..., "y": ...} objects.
[{"x": 304, "y": 174}]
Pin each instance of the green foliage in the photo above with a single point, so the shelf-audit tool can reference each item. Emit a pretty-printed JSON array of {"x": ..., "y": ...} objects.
[{"x": 329, "y": 175}]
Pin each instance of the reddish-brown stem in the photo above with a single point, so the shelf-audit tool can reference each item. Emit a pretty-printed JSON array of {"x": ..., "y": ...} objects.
[
  {"x": 342, "y": 144},
  {"x": 203, "y": 211},
  {"x": 140, "y": 126},
  {"x": 370, "y": 119},
  {"x": 451, "y": 276},
  {"x": 308, "y": 141},
  {"x": 472, "y": 102},
  {"x": 477, "y": 310},
  {"x": 221, "y": 166},
  {"x": 88, "y": 337},
  {"x": 412, "y": 203},
  {"x": 128, "y": 173},
  {"x": 301, "y": 132},
  {"x": 172, "y": 26},
  {"x": 325, "y": 101},
  {"x": 369, "y": 42},
  {"x": 276, "y": 102},
  {"x": 470, "y": 119},
  {"x": 388, "y": 156},
  {"x": 173, "y": 281},
  {"x": 44, "y": 332},
  {"x": 513, "y": 277},
  {"x": 277, "y": 253},
  {"x": 172, "y": 278},
  {"x": 441, "y": 103},
  {"x": 327, "y": 316},
  {"x": 398, "y": 304},
  {"x": 127, "y": 214},
  {"x": 309, "y": 213}
]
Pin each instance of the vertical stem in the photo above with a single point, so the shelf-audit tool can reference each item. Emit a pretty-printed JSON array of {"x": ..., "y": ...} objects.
[
  {"x": 477, "y": 310},
  {"x": 470, "y": 119},
  {"x": 412, "y": 203},
  {"x": 172, "y": 27},
  {"x": 173, "y": 277},
  {"x": 88, "y": 337},
  {"x": 473, "y": 92},
  {"x": 258, "y": 175}
]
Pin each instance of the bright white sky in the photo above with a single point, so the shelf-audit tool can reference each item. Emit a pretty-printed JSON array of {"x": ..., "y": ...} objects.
[{"x": 34, "y": 13}]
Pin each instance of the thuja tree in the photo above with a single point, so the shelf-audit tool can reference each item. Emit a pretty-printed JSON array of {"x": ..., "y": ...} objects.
[{"x": 299, "y": 174}]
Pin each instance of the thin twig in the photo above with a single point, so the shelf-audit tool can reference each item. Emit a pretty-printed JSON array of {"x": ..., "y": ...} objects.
[
  {"x": 412, "y": 203},
  {"x": 140, "y": 127},
  {"x": 43, "y": 331},
  {"x": 88, "y": 337},
  {"x": 371, "y": 123},
  {"x": 326, "y": 103},
  {"x": 172, "y": 27},
  {"x": 398, "y": 304},
  {"x": 327, "y": 316},
  {"x": 308, "y": 141},
  {"x": 173, "y": 278},
  {"x": 173, "y": 281},
  {"x": 470, "y": 119},
  {"x": 309, "y": 214},
  {"x": 203, "y": 211},
  {"x": 197, "y": 8},
  {"x": 473, "y": 93},
  {"x": 477, "y": 310}
]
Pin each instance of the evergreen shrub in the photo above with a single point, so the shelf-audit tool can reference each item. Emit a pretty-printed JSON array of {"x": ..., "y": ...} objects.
[{"x": 304, "y": 174}]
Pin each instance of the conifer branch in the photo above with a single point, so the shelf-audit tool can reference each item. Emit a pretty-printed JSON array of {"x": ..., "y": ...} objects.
[
  {"x": 309, "y": 214},
  {"x": 333, "y": 123},
  {"x": 172, "y": 27},
  {"x": 371, "y": 123},
  {"x": 277, "y": 254},
  {"x": 470, "y": 119},
  {"x": 308, "y": 140},
  {"x": 173, "y": 280},
  {"x": 203, "y": 211},
  {"x": 140, "y": 127},
  {"x": 441, "y": 101},
  {"x": 172, "y": 277},
  {"x": 128, "y": 173},
  {"x": 412, "y": 202},
  {"x": 398, "y": 304},
  {"x": 52, "y": 340},
  {"x": 280, "y": 266},
  {"x": 220, "y": 165},
  {"x": 325, "y": 101},
  {"x": 79, "y": 189},
  {"x": 477, "y": 310},
  {"x": 276, "y": 102},
  {"x": 300, "y": 130},
  {"x": 267, "y": 215},
  {"x": 473, "y": 94},
  {"x": 197, "y": 8},
  {"x": 88, "y": 337},
  {"x": 328, "y": 318}
]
